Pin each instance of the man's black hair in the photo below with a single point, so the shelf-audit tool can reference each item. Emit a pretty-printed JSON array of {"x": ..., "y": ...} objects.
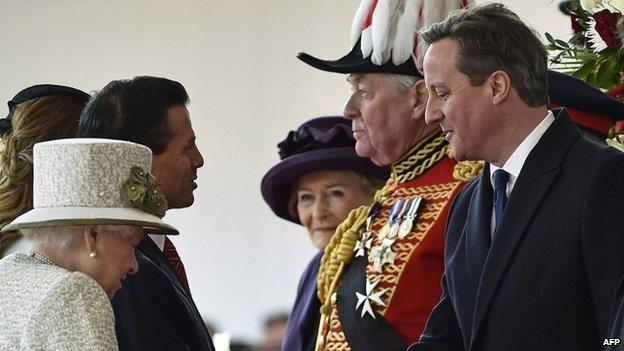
[{"x": 133, "y": 110}]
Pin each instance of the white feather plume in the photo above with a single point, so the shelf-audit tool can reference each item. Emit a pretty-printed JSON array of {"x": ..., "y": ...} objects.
[
  {"x": 366, "y": 44},
  {"x": 358, "y": 20},
  {"x": 394, "y": 27},
  {"x": 407, "y": 27},
  {"x": 435, "y": 11},
  {"x": 382, "y": 20}
]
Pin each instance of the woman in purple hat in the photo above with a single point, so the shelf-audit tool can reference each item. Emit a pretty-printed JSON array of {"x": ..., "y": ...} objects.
[{"x": 319, "y": 180}]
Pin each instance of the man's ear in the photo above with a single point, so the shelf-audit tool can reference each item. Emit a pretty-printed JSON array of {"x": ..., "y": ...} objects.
[
  {"x": 420, "y": 101},
  {"x": 500, "y": 83},
  {"x": 89, "y": 236}
]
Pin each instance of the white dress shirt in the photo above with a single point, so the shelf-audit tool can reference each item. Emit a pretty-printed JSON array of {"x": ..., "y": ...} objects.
[
  {"x": 515, "y": 162},
  {"x": 159, "y": 240}
]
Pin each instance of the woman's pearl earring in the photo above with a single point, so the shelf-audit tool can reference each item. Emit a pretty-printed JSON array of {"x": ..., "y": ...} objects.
[{"x": 92, "y": 254}]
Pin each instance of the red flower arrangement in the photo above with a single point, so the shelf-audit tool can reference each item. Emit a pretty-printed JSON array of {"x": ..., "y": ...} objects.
[
  {"x": 606, "y": 22},
  {"x": 595, "y": 52}
]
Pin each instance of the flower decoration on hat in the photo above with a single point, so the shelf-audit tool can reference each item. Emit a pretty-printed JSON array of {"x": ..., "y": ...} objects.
[
  {"x": 140, "y": 190},
  {"x": 312, "y": 137},
  {"x": 595, "y": 53}
]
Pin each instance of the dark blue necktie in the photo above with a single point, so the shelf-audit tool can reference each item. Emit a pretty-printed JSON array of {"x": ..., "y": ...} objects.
[{"x": 500, "y": 179}]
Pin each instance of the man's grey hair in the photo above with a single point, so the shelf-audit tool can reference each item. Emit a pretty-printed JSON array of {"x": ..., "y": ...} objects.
[
  {"x": 67, "y": 236},
  {"x": 402, "y": 81}
]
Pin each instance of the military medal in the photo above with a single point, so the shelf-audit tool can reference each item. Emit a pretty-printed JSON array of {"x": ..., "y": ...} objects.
[
  {"x": 412, "y": 212},
  {"x": 362, "y": 245},
  {"x": 384, "y": 230},
  {"x": 396, "y": 207},
  {"x": 382, "y": 254},
  {"x": 364, "y": 300},
  {"x": 394, "y": 228},
  {"x": 365, "y": 241},
  {"x": 359, "y": 249}
]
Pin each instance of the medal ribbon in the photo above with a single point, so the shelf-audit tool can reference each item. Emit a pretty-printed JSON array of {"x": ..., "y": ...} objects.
[
  {"x": 414, "y": 208},
  {"x": 396, "y": 207},
  {"x": 406, "y": 205}
]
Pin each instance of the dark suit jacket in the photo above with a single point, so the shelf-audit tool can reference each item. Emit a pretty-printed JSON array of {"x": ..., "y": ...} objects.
[
  {"x": 152, "y": 310},
  {"x": 617, "y": 319},
  {"x": 551, "y": 272},
  {"x": 304, "y": 318}
]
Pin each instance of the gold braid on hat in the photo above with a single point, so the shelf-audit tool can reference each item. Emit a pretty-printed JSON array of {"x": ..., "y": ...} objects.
[{"x": 339, "y": 251}]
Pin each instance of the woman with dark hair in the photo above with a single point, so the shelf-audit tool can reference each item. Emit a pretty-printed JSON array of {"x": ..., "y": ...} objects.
[
  {"x": 38, "y": 113},
  {"x": 319, "y": 180}
]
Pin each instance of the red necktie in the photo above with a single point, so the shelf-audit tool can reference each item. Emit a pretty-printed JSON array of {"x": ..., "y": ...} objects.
[{"x": 172, "y": 255}]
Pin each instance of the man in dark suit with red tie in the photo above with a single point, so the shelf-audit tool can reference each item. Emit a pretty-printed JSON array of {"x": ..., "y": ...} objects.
[
  {"x": 533, "y": 250},
  {"x": 154, "y": 309}
]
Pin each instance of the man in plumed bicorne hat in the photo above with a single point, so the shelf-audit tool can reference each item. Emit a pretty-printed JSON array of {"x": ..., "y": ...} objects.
[{"x": 380, "y": 275}]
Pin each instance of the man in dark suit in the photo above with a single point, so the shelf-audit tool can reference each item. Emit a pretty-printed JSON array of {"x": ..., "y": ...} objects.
[
  {"x": 154, "y": 309},
  {"x": 534, "y": 246}
]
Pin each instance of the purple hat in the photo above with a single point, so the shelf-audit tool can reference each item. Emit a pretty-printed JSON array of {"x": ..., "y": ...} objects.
[{"x": 320, "y": 144}]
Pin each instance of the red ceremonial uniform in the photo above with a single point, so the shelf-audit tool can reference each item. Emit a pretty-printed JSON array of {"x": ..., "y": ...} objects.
[{"x": 387, "y": 293}]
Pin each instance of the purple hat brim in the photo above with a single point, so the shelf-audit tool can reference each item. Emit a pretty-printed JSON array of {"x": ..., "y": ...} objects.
[{"x": 278, "y": 182}]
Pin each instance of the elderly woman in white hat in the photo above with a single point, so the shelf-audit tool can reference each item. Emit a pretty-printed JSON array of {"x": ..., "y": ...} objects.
[{"x": 92, "y": 200}]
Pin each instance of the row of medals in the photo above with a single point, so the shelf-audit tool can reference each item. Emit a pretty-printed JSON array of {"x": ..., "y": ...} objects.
[{"x": 400, "y": 223}]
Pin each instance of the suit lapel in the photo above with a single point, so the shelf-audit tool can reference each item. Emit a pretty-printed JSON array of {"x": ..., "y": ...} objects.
[
  {"x": 538, "y": 173},
  {"x": 149, "y": 248},
  {"x": 478, "y": 225}
]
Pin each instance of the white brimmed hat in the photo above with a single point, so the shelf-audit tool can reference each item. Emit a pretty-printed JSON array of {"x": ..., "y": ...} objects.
[{"x": 93, "y": 181}]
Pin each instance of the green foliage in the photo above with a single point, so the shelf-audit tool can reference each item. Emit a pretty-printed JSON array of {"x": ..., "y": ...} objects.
[{"x": 576, "y": 57}]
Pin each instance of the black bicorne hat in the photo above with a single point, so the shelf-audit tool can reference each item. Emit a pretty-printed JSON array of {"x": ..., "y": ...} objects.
[
  {"x": 384, "y": 37},
  {"x": 354, "y": 62}
]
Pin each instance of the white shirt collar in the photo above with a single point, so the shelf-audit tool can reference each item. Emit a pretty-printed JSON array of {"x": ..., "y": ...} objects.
[
  {"x": 515, "y": 162},
  {"x": 159, "y": 240}
]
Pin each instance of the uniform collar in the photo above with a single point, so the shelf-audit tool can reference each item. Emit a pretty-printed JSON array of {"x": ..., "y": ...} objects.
[{"x": 411, "y": 160}]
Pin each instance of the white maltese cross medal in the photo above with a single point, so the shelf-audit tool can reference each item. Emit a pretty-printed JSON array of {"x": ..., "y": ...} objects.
[{"x": 365, "y": 300}]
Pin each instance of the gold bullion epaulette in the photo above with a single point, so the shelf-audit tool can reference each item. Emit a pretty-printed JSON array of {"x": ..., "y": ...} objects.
[{"x": 467, "y": 170}]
